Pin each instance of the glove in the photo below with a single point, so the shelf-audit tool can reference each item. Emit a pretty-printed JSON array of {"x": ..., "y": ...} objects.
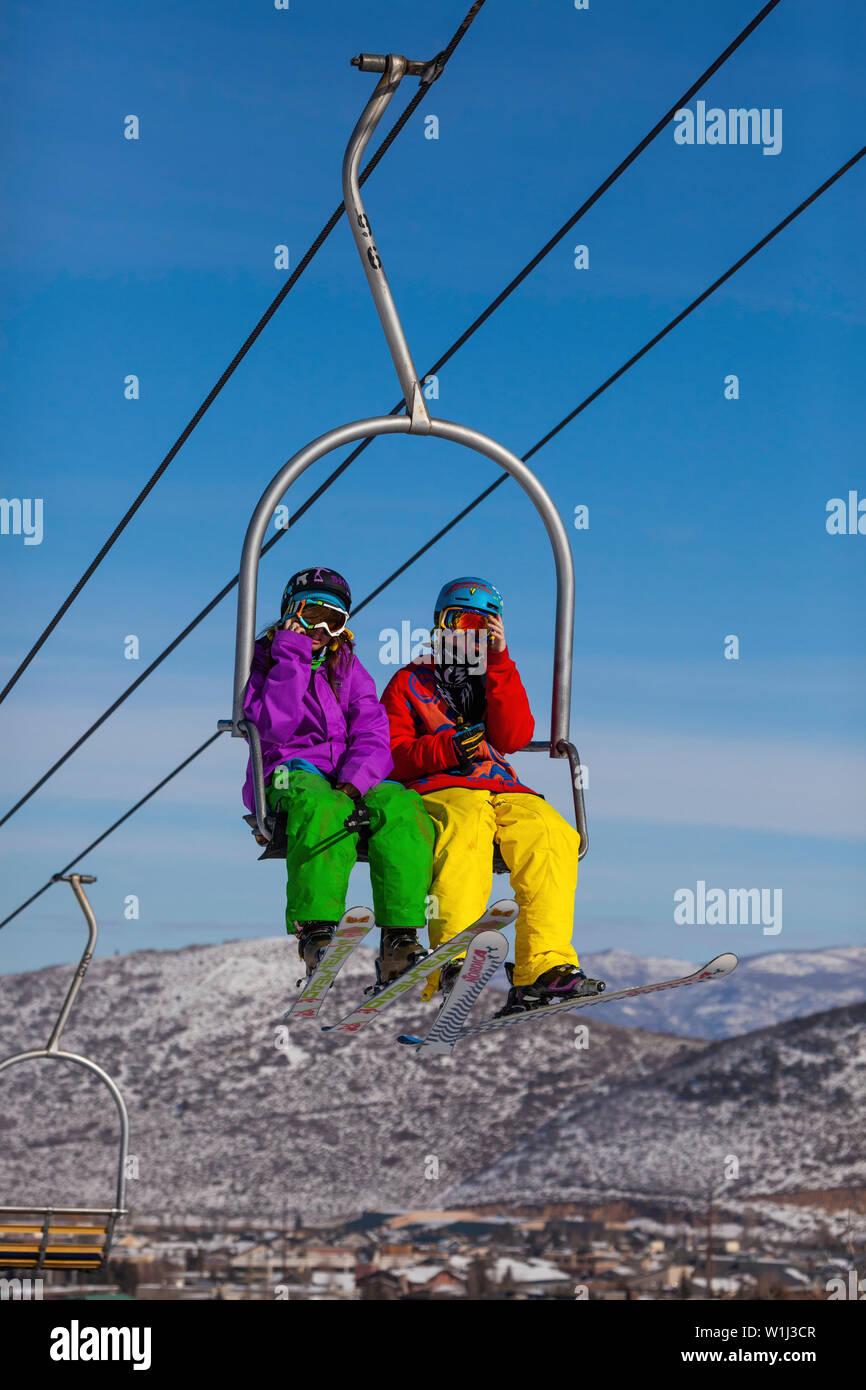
[
  {"x": 349, "y": 789},
  {"x": 468, "y": 740}
]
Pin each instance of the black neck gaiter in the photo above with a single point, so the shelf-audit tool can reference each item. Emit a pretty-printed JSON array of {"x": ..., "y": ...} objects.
[{"x": 462, "y": 693}]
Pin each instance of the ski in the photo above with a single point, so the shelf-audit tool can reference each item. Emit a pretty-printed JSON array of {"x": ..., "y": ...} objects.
[
  {"x": 499, "y": 915},
  {"x": 350, "y": 931},
  {"x": 716, "y": 969},
  {"x": 483, "y": 958}
]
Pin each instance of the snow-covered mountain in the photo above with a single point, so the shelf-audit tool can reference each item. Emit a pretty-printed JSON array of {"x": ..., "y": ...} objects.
[
  {"x": 781, "y": 1110},
  {"x": 763, "y": 989},
  {"x": 224, "y": 1122}
]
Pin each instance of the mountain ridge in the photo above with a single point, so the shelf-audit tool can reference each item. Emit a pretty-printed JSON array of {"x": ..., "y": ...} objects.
[{"x": 225, "y": 1122}]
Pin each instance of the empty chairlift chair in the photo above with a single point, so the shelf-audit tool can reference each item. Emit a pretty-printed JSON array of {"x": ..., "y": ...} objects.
[
  {"x": 66, "y": 1237},
  {"x": 269, "y": 829}
]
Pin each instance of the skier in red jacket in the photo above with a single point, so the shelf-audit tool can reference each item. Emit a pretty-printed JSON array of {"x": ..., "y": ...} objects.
[{"x": 453, "y": 716}]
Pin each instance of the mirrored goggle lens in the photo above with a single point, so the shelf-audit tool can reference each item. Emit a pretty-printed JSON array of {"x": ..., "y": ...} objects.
[
  {"x": 310, "y": 614},
  {"x": 463, "y": 620}
]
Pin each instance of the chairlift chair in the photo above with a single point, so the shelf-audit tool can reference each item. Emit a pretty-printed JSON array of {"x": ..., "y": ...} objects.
[
  {"x": 58, "y": 1237},
  {"x": 267, "y": 827}
]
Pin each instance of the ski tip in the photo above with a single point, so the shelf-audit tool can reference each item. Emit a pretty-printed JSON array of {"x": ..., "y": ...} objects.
[
  {"x": 409, "y": 1040},
  {"x": 723, "y": 964}
]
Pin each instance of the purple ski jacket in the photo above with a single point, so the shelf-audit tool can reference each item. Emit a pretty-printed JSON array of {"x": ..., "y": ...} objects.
[{"x": 345, "y": 735}]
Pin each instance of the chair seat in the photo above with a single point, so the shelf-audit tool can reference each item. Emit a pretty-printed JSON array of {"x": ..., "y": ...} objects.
[
  {"x": 27, "y": 1257},
  {"x": 46, "y": 1238},
  {"x": 275, "y": 848}
]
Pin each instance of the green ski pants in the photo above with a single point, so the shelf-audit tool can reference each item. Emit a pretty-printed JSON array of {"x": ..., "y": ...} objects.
[{"x": 321, "y": 853}]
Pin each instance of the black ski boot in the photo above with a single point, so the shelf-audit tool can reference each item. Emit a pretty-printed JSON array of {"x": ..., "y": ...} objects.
[
  {"x": 449, "y": 975},
  {"x": 313, "y": 941},
  {"x": 553, "y": 986},
  {"x": 399, "y": 949}
]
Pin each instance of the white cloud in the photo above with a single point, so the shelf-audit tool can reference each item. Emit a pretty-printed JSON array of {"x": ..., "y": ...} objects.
[{"x": 776, "y": 786}]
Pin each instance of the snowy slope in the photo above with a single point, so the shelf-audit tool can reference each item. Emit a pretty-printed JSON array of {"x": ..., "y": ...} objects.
[
  {"x": 222, "y": 1122},
  {"x": 787, "y": 1103},
  {"x": 225, "y": 1124},
  {"x": 763, "y": 989}
]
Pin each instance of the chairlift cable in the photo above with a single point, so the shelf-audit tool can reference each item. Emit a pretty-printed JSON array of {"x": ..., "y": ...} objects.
[
  {"x": 436, "y": 71},
  {"x": 786, "y": 221},
  {"x": 615, "y": 376},
  {"x": 396, "y": 409},
  {"x": 104, "y": 836},
  {"x": 608, "y": 183}
]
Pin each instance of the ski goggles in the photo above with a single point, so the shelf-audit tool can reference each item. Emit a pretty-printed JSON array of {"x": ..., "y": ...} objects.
[
  {"x": 312, "y": 613},
  {"x": 463, "y": 620}
]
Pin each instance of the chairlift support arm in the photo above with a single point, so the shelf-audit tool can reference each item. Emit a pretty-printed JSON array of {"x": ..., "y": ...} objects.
[{"x": 393, "y": 70}]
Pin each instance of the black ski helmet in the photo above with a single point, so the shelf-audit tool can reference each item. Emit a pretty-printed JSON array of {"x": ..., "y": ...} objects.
[{"x": 322, "y": 582}]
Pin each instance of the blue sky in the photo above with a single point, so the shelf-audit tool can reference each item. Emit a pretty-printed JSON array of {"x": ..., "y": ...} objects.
[{"x": 707, "y": 516}]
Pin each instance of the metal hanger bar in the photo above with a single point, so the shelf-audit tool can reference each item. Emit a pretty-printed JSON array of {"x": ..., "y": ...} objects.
[
  {"x": 75, "y": 881},
  {"x": 54, "y": 1055},
  {"x": 52, "y": 1051},
  {"x": 393, "y": 70},
  {"x": 440, "y": 429}
]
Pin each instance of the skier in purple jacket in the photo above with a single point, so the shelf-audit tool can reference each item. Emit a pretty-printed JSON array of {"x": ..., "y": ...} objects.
[{"x": 326, "y": 750}]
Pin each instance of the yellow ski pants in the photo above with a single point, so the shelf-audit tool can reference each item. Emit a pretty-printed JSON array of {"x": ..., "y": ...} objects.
[{"x": 540, "y": 849}]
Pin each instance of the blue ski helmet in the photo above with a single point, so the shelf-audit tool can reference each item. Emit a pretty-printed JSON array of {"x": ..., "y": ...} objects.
[
  {"x": 320, "y": 583},
  {"x": 467, "y": 592}
]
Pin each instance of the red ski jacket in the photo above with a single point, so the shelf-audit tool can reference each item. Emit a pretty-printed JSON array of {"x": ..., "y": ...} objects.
[{"x": 423, "y": 728}]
